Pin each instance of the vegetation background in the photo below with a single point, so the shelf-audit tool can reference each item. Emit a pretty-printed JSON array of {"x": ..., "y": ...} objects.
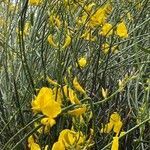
[{"x": 27, "y": 58}]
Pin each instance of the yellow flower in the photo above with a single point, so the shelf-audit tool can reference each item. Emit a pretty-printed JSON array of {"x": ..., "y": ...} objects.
[
  {"x": 71, "y": 138},
  {"x": 30, "y": 139},
  {"x": 43, "y": 96},
  {"x": 32, "y": 145},
  {"x": 104, "y": 93},
  {"x": 45, "y": 102},
  {"x": 122, "y": 30},
  {"x": 116, "y": 120},
  {"x": 100, "y": 16},
  {"x": 73, "y": 97},
  {"x": 106, "y": 30},
  {"x": 115, "y": 143},
  {"x": 82, "y": 62},
  {"x": 51, "y": 41},
  {"x": 77, "y": 86},
  {"x": 77, "y": 112},
  {"x": 35, "y": 2},
  {"x": 115, "y": 123},
  {"x": 115, "y": 117},
  {"x": 58, "y": 146},
  {"x": 46, "y": 147},
  {"x": 67, "y": 41},
  {"x": 51, "y": 108},
  {"x": 117, "y": 127},
  {"x": 107, "y": 128},
  {"x": 97, "y": 18}
]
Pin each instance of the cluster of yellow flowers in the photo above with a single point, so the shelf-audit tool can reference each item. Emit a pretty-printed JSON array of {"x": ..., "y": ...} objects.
[
  {"x": 92, "y": 19},
  {"x": 49, "y": 102}
]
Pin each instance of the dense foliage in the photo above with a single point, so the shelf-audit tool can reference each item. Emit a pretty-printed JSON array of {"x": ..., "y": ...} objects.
[{"x": 74, "y": 74}]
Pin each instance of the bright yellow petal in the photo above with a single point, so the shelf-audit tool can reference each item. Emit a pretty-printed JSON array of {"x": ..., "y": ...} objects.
[
  {"x": 73, "y": 97},
  {"x": 77, "y": 86},
  {"x": 51, "y": 109},
  {"x": 106, "y": 30},
  {"x": 41, "y": 99},
  {"x": 70, "y": 137},
  {"x": 115, "y": 143},
  {"x": 65, "y": 90},
  {"x": 67, "y": 41},
  {"x": 51, "y": 41},
  {"x": 62, "y": 133},
  {"x": 35, "y": 2},
  {"x": 48, "y": 121},
  {"x": 115, "y": 117},
  {"x": 35, "y": 146},
  {"x": 107, "y": 128},
  {"x": 30, "y": 139},
  {"x": 35, "y": 106},
  {"x": 104, "y": 93},
  {"x": 82, "y": 62},
  {"x": 117, "y": 127},
  {"x": 58, "y": 146},
  {"x": 78, "y": 111},
  {"x": 122, "y": 31},
  {"x": 46, "y": 103},
  {"x": 46, "y": 147}
]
